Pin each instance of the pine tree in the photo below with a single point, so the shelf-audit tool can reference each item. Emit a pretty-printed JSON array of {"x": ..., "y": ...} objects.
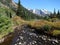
[
  {"x": 54, "y": 11},
  {"x": 19, "y": 9},
  {"x": 50, "y": 15},
  {"x": 54, "y": 14},
  {"x": 58, "y": 14}
]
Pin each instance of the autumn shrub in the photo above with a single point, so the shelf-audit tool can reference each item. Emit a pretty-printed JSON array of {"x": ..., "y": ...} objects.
[
  {"x": 56, "y": 25},
  {"x": 17, "y": 20},
  {"x": 45, "y": 25}
]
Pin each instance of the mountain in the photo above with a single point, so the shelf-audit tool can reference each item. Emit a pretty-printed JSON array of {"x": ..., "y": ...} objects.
[
  {"x": 45, "y": 11},
  {"x": 41, "y": 12}
]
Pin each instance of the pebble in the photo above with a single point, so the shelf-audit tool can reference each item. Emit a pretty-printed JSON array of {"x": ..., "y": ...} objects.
[
  {"x": 30, "y": 43},
  {"x": 1, "y": 40},
  {"x": 43, "y": 38},
  {"x": 35, "y": 42},
  {"x": 36, "y": 36},
  {"x": 20, "y": 43},
  {"x": 15, "y": 44},
  {"x": 17, "y": 39},
  {"x": 21, "y": 37},
  {"x": 56, "y": 41},
  {"x": 33, "y": 34},
  {"x": 49, "y": 39},
  {"x": 53, "y": 42},
  {"x": 23, "y": 31},
  {"x": 40, "y": 36}
]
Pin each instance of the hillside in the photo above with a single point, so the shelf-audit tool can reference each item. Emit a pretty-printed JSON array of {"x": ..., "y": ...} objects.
[
  {"x": 5, "y": 20},
  {"x": 29, "y": 14},
  {"x": 5, "y": 9}
]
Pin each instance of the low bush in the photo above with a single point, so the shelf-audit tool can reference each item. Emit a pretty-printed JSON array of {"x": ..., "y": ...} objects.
[
  {"x": 47, "y": 27},
  {"x": 5, "y": 25},
  {"x": 56, "y": 32},
  {"x": 17, "y": 20}
]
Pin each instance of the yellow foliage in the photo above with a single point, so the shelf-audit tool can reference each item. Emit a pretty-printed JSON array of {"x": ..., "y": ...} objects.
[
  {"x": 56, "y": 32},
  {"x": 37, "y": 24},
  {"x": 56, "y": 24},
  {"x": 40, "y": 23},
  {"x": 17, "y": 20}
]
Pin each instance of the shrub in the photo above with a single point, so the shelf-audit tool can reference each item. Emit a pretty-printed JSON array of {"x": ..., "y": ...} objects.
[
  {"x": 5, "y": 25},
  {"x": 17, "y": 20},
  {"x": 46, "y": 27},
  {"x": 56, "y": 32}
]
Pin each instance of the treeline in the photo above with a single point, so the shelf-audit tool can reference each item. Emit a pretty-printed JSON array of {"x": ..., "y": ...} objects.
[
  {"x": 25, "y": 14},
  {"x": 55, "y": 14}
]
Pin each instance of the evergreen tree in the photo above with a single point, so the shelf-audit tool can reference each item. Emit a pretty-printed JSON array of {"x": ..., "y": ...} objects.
[
  {"x": 54, "y": 11},
  {"x": 58, "y": 14},
  {"x": 19, "y": 9},
  {"x": 50, "y": 15},
  {"x": 54, "y": 14}
]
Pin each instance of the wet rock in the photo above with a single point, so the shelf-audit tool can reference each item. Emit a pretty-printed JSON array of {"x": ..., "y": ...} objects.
[
  {"x": 20, "y": 43},
  {"x": 21, "y": 37},
  {"x": 43, "y": 38},
  {"x": 54, "y": 40},
  {"x": 17, "y": 40},
  {"x": 15, "y": 44},
  {"x": 1, "y": 40},
  {"x": 49, "y": 39}
]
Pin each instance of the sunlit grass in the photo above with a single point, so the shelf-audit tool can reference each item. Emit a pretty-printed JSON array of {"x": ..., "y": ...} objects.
[
  {"x": 18, "y": 20},
  {"x": 56, "y": 32}
]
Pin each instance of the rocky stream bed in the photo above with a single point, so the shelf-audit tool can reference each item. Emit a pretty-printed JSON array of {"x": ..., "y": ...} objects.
[{"x": 28, "y": 36}]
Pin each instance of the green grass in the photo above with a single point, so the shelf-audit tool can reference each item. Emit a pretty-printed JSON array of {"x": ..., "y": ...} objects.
[
  {"x": 5, "y": 25},
  {"x": 56, "y": 32},
  {"x": 6, "y": 22}
]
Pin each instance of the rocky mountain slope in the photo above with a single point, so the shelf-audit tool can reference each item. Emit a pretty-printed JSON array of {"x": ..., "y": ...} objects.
[
  {"x": 9, "y": 3},
  {"x": 41, "y": 12}
]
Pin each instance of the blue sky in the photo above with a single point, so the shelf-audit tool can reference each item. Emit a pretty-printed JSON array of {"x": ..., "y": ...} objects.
[{"x": 41, "y": 4}]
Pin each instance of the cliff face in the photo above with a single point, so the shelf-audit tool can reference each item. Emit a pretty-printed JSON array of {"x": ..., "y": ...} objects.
[
  {"x": 9, "y": 3},
  {"x": 5, "y": 1}
]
